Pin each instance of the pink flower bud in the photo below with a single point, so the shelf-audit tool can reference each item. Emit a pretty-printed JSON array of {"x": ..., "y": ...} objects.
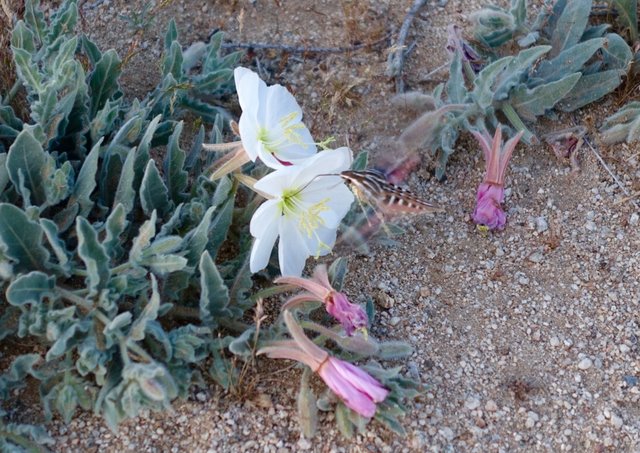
[
  {"x": 488, "y": 211},
  {"x": 351, "y": 316},
  {"x": 356, "y": 388}
]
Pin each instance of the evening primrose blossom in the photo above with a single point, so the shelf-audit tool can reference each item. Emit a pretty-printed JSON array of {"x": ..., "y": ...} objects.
[
  {"x": 305, "y": 206},
  {"x": 355, "y": 387},
  {"x": 271, "y": 125}
]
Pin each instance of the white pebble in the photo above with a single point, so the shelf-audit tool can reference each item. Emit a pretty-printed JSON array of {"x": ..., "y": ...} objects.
[{"x": 585, "y": 363}]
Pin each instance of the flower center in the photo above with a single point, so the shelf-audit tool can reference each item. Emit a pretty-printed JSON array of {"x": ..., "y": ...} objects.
[
  {"x": 308, "y": 216},
  {"x": 287, "y": 135}
]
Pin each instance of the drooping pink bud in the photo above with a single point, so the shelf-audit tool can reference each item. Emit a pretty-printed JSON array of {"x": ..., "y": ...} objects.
[{"x": 354, "y": 386}]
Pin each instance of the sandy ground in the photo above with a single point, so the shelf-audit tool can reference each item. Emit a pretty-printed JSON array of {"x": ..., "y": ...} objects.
[{"x": 527, "y": 339}]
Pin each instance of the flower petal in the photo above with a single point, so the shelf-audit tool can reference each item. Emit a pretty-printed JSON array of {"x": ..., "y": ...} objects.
[
  {"x": 264, "y": 227},
  {"x": 249, "y": 88},
  {"x": 249, "y": 135},
  {"x": 293, "y": 250},
  {"x": 280, "y": 104},
  {"x": 344, "y": 388}
]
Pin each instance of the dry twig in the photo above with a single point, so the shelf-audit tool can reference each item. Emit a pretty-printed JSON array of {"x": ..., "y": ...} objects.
[
  {"x": 395, "y": 62},
  {"x": 299, "y": 49},
  {"x": 629, "y": 196}
]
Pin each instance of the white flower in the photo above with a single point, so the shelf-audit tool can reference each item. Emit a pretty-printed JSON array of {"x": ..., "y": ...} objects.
[
  {"x": 308, "y": 202},
  {"x": 271, "y": 125}
]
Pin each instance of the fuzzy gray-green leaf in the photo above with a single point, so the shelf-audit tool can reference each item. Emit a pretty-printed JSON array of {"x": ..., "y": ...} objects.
[
  {"x": 616, "y": 53},
  {"x": 125, "y": 193},
  {"x": 148, "y": 313},
  {"x": 568, "y": 61},
  {"x": 22, "y": 239},
  {"x": 30, "y": 288},
  {"x": 307, "y": 407},
  {"x": 570, "y": 26},
  {"x": 94, "y": 255},
  {"x": 103, "y": 80},
  {"x": 143, "y": 239},
  {"x": 26, "y": 155},
  {"x": 174, "y": 174},
  {"x": 197, "y": 239},
  {"x": 86, "y": 181},
  {"x": 530, "y": 103},
  {"x": 628, "y": 16},
  {"x": 591, "y": 88},
  {"x": 114, "y": 227},
  {"x": 34, "y": 17},
  {"x": 214, "y": 295},
  {"x": 154, "y": 195},
  {"x": 57, "y": 245}
]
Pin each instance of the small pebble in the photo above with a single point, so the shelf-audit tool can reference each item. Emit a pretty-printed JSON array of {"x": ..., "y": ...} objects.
[{"x": 585, "y": 363}]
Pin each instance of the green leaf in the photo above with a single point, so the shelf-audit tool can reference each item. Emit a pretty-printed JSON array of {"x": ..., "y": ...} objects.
[
  {"x": 90, "y": 49},
  {"x": 337, "y": 272},
  {"x": 172, "y": 61},
  {"x": 154, "y": 195},
  {"x": 4, "y": 173},
  {"x": 307, "y": 407},
  {"x": 197, "y": 239},
  {"x": 103, "y": 80},
  {"x": 27, "y": 71},
  {"x": 142, "y": 155},
  {"x": 591, "y": 88},
  {"x": 570, "y": 26},
  {"x": 530, "y": 103},
  {"x": 343, "y": 421},
  {"x": 22, "y": 239},
  {"x": 30, "y": 288},
  {"x": 149, "y": 313},
  {"x": 34, "y": 17},
  {"x": 171, "y": 35},
  {"x": 57, "y": 245},
  {"x": 456, "y": 89},
  {"x": 616, "y": 53},
  {"x": 26, "y": 155},
  {"x": 68, "y": 339},
  {"x": 361, "y": 161},
  {"x": 115, "y": 225},
  {"x": 214, "y": 295},
  {"x": 93, "y": 254},
  {"x": 174, "y": 174},
  {"x": 125, "y": 193},
  {"x": 628, "y": 16},
  {"x": 86, "y": 181},
  {"x": 568, "y": 61},
  {"x": 391, "y": 350},
  {"x": 143, "y": 239}
]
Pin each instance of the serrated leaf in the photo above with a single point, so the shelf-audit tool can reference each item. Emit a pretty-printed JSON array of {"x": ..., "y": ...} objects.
[
  {"x": 30, "y": 288},
  {"x": 149, "y": 313},
  {"x": 530, "y": 103},
  {"x": 194, "y": 153},
  {"x": 591, "y": 88},
  {"x": 163, "y": 265},
  {"x": 513, "y": 72},
  {"x": 27, "y": 71},
  {"x": 241, "y": 345},
  {"x": 570, "y": 25},
  {"x": 93, "y": 254},
  {"x": 103, "y": 80},
  {"x": 27, "y": 155},
  {"x": 568, "y": 61},
  {"x": 22, "y": 239},
  {"x": 154, "y": 195},
  {"x": 456, "y": 89},
  {"x": 174, "y": 174},
  {"x": 214, "y": 295}
]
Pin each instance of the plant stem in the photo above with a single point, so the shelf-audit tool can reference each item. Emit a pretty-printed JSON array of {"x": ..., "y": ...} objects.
[
  {"x": 516, "y": 122},
  {"x": 12, "y": 92}
]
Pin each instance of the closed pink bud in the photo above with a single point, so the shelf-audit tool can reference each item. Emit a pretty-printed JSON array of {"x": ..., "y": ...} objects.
[
  {"x": 351, "y": 316},
  {"x": 355, "y": 387},
  {"x": 488, "y": 211}
]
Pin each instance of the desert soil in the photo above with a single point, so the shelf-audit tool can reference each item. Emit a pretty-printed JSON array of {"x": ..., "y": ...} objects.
[{"x": 527, "y": 338}]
